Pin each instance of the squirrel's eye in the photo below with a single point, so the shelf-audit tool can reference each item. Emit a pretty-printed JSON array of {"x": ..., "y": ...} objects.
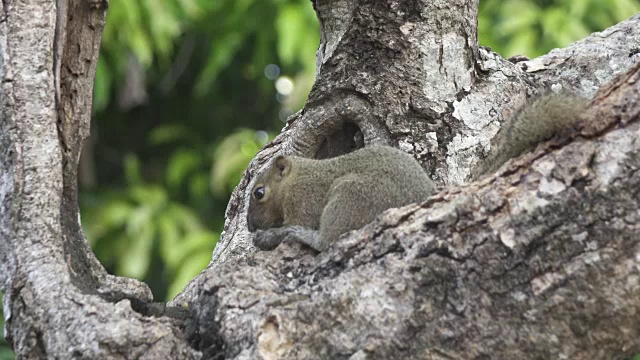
[{"x": 258, "y": 193}]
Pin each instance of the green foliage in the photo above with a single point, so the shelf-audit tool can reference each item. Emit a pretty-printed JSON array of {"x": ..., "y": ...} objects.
[
  {"x": 166, "y": 169},
  {"x": 532, "y": 28},
  {"x": 127, "y": 227},
  {"x": 235, "y": 23},
  {"x": 297, "y": 42},
  {"x": 149, "y": 30},
  {"x": 232, "y": 156}
]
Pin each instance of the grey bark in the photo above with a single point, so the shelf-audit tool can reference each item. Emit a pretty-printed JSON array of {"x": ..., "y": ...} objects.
[
  {"x": 540, "y": 260},
  {"x": 59, "y": 302},
  {"x": 412, "y": 75}
]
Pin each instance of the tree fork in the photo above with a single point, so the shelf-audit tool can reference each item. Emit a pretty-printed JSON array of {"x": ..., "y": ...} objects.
[
  {"x": 537, "y": 261},
  {"x": 59, "y": 302},
  {"x": 411, "y": 74}
]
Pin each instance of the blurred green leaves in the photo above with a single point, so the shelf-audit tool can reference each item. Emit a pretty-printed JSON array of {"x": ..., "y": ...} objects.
[
  {"x": 532, "y": 28},
  {"x": 185, "y": 151},
  {"x": 147, "y": 29},
  {"x": 127, "y": 227},
  {"x": 297, "y": 42},
  {"x": 237, "y": 22},
  {"x": 232, "y": 156},
  {"x": 221, "y": 54},
  {"x": 150, "y": 29},
  {"x": 130, "y": 226}
]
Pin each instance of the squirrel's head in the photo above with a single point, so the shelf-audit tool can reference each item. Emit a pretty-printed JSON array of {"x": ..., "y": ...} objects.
[{"x": 265, "y": 206}]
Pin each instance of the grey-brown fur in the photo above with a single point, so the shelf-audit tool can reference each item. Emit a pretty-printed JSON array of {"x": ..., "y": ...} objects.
[
  {"x": 541, "y": 119},
  {"x": 315, "y": 201}
]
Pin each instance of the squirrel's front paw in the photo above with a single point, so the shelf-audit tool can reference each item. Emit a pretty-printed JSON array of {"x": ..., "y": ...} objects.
[{"x": 267, "y": 239}]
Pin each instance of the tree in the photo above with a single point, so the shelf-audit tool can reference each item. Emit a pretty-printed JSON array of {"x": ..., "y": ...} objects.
[
  {"x": 59, "y": 301},
  {"x": 539, "y": 260}
]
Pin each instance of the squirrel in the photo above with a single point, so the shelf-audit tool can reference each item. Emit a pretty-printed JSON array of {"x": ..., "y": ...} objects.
[
  {"x": 315, "y": 201},
  {"x": 545, "y": 117}
]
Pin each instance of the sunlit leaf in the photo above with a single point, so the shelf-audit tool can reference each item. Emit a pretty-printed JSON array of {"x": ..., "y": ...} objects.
[
  {"x": 189, "y": 269},
  {"x": 168, "y": 133},
  {"x": 170, "y": 235},
  {"x": 231, "y": 157},
  {"x": 222, "y": 51},
  {"x": 190, "y": 244},
  {"x": 192, "y": 8},
  {"x": 624, "y": 9},
  {"x": 521, "y": 44},
  {"x": 164, "y": 26},
  {"x": 111, "y": 216},
  {"x": 289, "y": 24},
  {"x": 197, "y": 242},
  {"x": 132, "y": 169},
  {"x": 181, "y": 164},
  {"x": 101, "y": 86},
  {"x": 529, "y": 15},
  {"x": 185, "y": 217},
  {"x": 152, "y": 197},
  {"x": 141, "y": 46},
  {"x": 199, "y": 185},
  {"x": 134, "y": 261}
]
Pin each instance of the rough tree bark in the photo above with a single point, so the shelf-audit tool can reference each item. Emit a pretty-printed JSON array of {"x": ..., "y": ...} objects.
[
  {"x": 59, "y": 302},
  {"x": 542, "y": 261},
  {"x": 411, "y": 74},
  {"x": 539, "y": 261}
]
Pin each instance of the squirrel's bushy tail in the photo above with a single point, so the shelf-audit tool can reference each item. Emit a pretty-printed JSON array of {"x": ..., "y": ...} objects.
[{"x": 543, "y": 118}]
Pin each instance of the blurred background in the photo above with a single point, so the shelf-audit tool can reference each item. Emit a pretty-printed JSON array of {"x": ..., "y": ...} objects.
[{"x": 187, "y": 91}]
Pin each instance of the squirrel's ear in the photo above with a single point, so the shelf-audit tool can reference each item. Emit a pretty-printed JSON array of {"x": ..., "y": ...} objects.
[{"x": 282, "y": 164}]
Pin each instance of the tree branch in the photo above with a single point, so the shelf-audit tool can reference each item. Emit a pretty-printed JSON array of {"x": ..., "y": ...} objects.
[
  {"x": 395, "y": 91},
  {"x": 59, "y": 302},
  {"x": 538, "y": 261}
]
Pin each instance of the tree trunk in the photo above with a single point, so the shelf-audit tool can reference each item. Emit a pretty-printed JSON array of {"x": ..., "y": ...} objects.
[
  {"x": 539, "y": 261},
  {"x": 59, "y": 302},
  {"x": 410, "y": 74}
]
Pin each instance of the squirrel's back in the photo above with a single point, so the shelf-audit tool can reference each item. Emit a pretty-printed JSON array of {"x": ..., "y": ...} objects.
[
  {"x": 543, "y": 118},
  {"x": 375, "y": 178},
  {"x": 380, "y": 163}
]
